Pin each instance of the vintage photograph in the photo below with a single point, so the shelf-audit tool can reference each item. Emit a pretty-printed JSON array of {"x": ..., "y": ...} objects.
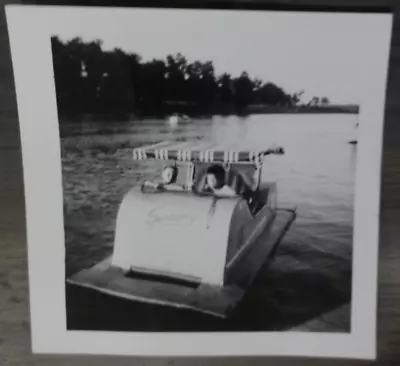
[
  {"x": 208, "y": 172},
  {"x": 201, "y": 182}
]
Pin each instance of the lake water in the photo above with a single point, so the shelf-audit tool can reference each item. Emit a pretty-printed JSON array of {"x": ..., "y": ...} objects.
[{"x": 316, "y": 175}]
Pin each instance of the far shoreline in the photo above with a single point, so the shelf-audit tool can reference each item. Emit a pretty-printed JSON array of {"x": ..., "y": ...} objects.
[
  {"x": 321, "y": 109},
  {"x": 251, "y": 110}
]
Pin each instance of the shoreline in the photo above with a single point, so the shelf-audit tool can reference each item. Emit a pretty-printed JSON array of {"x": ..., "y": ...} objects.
[
  {"x": 323, "y": 109},
  {"x": 253, "y": 110}
]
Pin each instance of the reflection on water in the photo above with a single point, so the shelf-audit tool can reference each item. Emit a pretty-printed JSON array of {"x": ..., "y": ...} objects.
[{"x": 316, "y": 175}]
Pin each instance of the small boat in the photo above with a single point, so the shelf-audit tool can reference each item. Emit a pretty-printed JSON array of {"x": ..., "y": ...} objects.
[
  {"x": 177, "y": 118},
  {"x": 355, "y": 140},
  {"x": 178, "y": 243}
]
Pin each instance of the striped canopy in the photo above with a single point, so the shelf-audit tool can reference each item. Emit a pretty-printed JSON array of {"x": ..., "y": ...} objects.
[{"x": 199, "y": 151}]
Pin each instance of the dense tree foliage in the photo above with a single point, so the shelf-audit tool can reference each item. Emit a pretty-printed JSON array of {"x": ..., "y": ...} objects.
[{"x": 92, "y": 80}]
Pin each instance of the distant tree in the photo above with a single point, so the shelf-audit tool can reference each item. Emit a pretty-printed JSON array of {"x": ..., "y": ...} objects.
[
  {"x": 243, "y": 91},
  {"x": 325, "y": 100},
  {"x": 296, "y": 97},
  {"x": 91, "y": 80},
  {"x": 271, "y": 94},
  {"x": 67, "y": 65},
  {"x": 225, "y": 88},
  {"x": 257, "y": 84},
  {"x": 114, "y": 87},
  {"x": 315, "y": 101}
]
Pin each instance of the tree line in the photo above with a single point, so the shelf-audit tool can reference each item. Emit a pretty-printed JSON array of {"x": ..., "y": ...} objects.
[{"x": 90, "y": 80}]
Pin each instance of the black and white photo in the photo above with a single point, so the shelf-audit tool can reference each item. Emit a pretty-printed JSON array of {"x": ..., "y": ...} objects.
[{"x": 208, "y": 172}]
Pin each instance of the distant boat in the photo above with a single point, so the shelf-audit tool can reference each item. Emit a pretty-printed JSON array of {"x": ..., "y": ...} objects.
[
  {"x": 176, "y": 118},
  {"x": 173, "y": 119},
  {"x": 355, "y": 140}
]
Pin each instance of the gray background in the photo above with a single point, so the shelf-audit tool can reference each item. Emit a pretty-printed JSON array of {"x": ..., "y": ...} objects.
[{"x": 14, "y": 292}]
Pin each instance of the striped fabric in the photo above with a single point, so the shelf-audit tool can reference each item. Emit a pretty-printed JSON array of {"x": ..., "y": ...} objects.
[{"x": 164, "y": 152}]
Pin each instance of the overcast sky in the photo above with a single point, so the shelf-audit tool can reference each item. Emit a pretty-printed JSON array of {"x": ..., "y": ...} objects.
[{"x": 319, "y": 52}]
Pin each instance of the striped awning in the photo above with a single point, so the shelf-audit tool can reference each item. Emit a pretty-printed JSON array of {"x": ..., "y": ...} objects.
[{"x": 201, "y": 152}]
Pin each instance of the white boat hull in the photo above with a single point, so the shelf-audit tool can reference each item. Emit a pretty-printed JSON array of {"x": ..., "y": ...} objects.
[
  {"x": 173, "y": 120},
  {"x": 172, "y": 233}
]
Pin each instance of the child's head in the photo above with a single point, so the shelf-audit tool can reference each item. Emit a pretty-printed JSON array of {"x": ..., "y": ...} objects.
[
  {"x": 169, "y": 174},
  {"x": 215, "y": 177}
]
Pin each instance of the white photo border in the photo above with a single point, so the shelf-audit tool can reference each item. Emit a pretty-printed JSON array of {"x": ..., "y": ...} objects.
[{"x": 30, "y": 28}]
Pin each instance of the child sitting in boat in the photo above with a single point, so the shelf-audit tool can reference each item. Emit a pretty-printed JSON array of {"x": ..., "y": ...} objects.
[
  {"x": 167, "y": 182},
  {"x": 224, "y": 182},
  {"x": 216, "y": 182}
]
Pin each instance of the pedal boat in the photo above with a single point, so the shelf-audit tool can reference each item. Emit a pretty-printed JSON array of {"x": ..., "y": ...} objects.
[
  {"x": 177, "y": 246},
  {"x": 177, "y": 118}
]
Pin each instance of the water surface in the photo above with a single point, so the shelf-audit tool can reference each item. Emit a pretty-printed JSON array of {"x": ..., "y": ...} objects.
[{"x": 312, "y": 271}]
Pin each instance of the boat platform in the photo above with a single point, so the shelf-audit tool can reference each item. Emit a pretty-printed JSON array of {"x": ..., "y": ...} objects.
[{"x": 139, "y": 285}]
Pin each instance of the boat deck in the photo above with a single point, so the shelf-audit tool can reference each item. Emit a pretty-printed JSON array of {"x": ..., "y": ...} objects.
[{"x": 213, "y": 300}]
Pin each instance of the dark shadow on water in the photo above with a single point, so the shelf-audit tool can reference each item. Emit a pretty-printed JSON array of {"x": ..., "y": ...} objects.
[
  {"x": 286, "y": 300},
  {"x": 279, "y": 299}
]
